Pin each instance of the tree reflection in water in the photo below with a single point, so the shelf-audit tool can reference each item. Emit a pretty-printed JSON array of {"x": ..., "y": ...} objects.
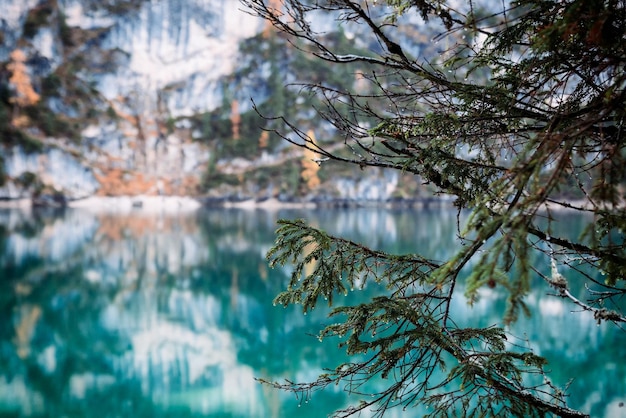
[{"x": 153, "y": 314}]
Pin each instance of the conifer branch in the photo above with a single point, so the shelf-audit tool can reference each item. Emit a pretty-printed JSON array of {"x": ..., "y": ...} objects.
[{"x": 523, "y": 110}]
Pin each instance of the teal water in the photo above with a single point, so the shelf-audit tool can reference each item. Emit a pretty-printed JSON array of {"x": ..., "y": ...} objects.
[{"x": 171, "y": 315}]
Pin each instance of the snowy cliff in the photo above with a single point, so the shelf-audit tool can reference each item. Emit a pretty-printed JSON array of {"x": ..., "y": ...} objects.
[
  {"x": 129, "y": 97},
  {"x": 147, "y": 62}
]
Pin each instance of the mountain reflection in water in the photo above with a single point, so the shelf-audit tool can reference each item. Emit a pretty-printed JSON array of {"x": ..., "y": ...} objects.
[{"x": 150, "y": 315}]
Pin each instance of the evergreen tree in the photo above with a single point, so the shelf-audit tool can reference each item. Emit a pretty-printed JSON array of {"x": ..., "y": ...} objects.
[{"x": 516, "y": 109}]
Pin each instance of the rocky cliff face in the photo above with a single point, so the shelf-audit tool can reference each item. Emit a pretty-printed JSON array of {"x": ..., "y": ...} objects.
[{"x": 135, "y": 97}]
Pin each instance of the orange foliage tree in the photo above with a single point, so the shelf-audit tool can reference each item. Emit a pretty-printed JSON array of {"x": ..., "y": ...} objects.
[
  {"x": 24, "y": 94},
  {"x": 309, "y": 166},
  {"x": 264, "y": 140},
  {"x": 235, "y": 119}
]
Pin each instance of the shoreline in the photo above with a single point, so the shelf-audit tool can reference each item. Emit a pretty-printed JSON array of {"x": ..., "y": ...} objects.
[
  {"x": 116, "y": 204},
  {"x": 187, "y": 204},
  {"x": 180, "y": 204}
]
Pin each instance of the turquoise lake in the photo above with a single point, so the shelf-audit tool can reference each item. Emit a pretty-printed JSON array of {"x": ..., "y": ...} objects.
[{"x": 170, "y": 315}]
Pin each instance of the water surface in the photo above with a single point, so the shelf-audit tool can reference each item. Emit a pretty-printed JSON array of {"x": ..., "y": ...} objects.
[{"x": 151, "y": 315}]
